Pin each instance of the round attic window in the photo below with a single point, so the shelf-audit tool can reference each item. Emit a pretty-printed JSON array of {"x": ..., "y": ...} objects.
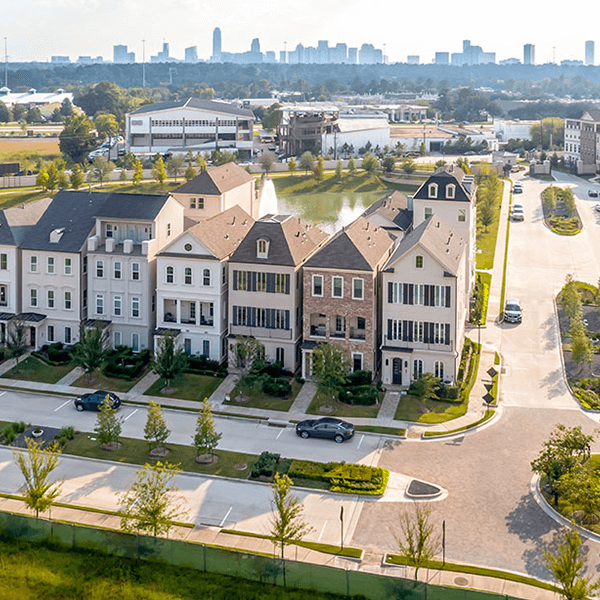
[{"x": 188, "y": 247}]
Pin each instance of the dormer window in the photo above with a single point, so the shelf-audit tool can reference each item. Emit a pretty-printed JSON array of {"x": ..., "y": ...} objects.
[
  {"x": 262, "y": 248},
  {"x": 433, "y": 190},
  {"x": 451, "y": 191}
]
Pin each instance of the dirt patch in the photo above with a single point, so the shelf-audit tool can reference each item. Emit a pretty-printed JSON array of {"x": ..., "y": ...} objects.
[
  {"x": 327, "y": 409},
  {"x": 158, "y": 453},
  {"x": 207, "y": 459},
  {"x": 111, "y": 446},
  {"x": 241, "y": 467},
  {"x": 241, "y": 398},
  {"x": 168, "y": 390}
]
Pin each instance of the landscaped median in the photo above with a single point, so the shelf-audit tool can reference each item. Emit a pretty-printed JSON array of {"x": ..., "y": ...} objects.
[
  {"x": 488, "y": 415},
  {"x": 438, "y": 565}
]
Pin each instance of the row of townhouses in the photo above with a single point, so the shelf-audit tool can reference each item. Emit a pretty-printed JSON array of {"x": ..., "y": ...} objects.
[
  {"x": 582, "y": 142},
  {"x": 392, "y": 288}
]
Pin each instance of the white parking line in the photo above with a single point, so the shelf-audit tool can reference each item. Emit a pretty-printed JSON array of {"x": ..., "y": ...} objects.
[
  {"x": 131, "y": 414},
  {"x": 279, "y": 434},
  {"x": 322, "y": 531},
  {"x": 62, "y": 405},
  {"x": 362, "y": 437},
  {"x": 2, "y": 394},
  {"x": 225, "y": 517}
]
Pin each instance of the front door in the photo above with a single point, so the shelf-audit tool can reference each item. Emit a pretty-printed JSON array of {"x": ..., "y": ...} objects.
[
  {"x": 397, "y": 371},
  {"x": 187, "y": 346},
  {"x": 32, "y": 336}
]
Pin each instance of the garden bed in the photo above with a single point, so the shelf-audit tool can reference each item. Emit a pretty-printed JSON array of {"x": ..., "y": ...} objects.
[
  {"x": 558, "y": 215},
  {"x": 323, "y": 404},
  {"x": 186, "y": 386}
]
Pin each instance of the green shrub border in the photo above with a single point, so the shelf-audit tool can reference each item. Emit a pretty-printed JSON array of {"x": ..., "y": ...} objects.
[
  {"x": 473, "y": 369},
  {"x": 395, "y": 559}
]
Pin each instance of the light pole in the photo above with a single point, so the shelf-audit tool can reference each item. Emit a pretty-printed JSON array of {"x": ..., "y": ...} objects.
[{"x": 143, "y": 63}]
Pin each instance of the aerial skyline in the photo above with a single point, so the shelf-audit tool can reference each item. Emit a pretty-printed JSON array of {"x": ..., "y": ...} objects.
[{"x": 39, "y": 29}]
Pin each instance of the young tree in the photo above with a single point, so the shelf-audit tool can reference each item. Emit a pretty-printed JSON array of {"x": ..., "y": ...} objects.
[
  {"x": 201, "y": 163},
  {"x": 486, "y": 215},
  {"x": 190, "y": 173},
  {"x": 266, "y": 160},
  {"x": 581, "y": 487},
  {"x": 101, "y": 169},
  {"x": 370, "y": 163},
  {"x": 247, "y": 350},
  {"x": 108, "y": 425},
  {"x": 206, "y": 438},
  {"x": 566, "y": 448},
  {"x": 408, "y": 165},
  {"x": 388, "y": 163},
  {"x": 36, "y": 464},
  {"x": 89, "y": 352},
  {"x": 155, "y": 431},
  {"x": 42, "y": 179},
  {"x": 427, "y": 386},
  {"x": 138, "y": 172},
  {"x": 568, "y": 197},
  {"x": 420, "y": 543},
  {"x": 150, "y": 505},
  {"x": 123, "y": 175},
  {"x": 175, "y": 164},
  {"x": 292, "y": 166},
  {"x": 158, "y": 171},
  {"x": 582, "y": 348},
  {"x": 571, "y": 299},
  {"x": 287, "y": 524},
  {"x": 52, "y": 183},
  {"x": 169, "y": 361},
  {"x": 77, "y": 176},
  {"x": 351, "y": 166},
  {"x": 17, "y": 341},
  {"x": 339, "y": 169},
  {"x": 307, "y": 161},
  {"x": 189, "y": 157},
  {"x": 319, "y": 169},
  {"x": 566, "y": 564},
  {"x": 330, "y": 367}
]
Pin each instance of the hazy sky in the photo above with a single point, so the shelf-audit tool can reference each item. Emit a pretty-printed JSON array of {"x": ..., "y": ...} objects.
[{"x": 38, "y": 29}]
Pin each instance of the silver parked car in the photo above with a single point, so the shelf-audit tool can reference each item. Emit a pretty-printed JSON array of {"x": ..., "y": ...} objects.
[{"x": 513, "y": 311}]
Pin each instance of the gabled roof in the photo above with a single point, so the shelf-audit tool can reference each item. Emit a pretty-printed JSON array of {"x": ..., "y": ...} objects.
[
  {"x": 23, "y": 217},
  {"x": 434, "y": 236},
  {"x": 358, "y": 247},
  {"x": 6, "y": 236},
  {"x": 391, "y": 212},
  {"x": 72, "y": 214},
  {"x": 142, "y": 207},
  {"x": 221, "y": 234},
  {"x": 197, "y": 103},
  {"x": 593, "y": 113},
  {"x": 291, "y": 241},
  {"x": 442, "y": 177},
  {"x": 216, "y": 180}
]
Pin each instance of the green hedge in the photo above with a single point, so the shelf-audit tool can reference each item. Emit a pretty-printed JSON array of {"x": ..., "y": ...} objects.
[{"x": 265, "y": 466}]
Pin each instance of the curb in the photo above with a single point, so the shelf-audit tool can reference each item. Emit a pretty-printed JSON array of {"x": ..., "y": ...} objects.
[{"x": 467, "y": 431}]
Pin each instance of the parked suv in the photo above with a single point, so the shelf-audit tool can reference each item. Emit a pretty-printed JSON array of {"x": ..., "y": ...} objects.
[{"x": 513, "y": 311}]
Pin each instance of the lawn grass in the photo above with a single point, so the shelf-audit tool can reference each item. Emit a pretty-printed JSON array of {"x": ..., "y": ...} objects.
[
  {"x": 340, "y": 409},
  {"x": 186, "y": 386},
  {"x": 488, "y": 415},
  {"x": 258, "y": 399},
  {"x": 32, "y": 369},
  {"x": 486, "y": 281},
  {"x": 135, "y": 452},
  {"x": 394, "y": 559},
  {"x": 486, "y": 239},
  {"x": 33, "y": 571},
  {"x": 381, "y": 430},
  {"x": 412, "y": 408},
  {"x": 7, "y": 200},
  {"x": 102, "y": 382}
]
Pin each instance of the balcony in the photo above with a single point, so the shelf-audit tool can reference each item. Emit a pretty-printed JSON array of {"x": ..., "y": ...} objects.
[
  {"x": 357, "y": 334},
  {"x": 318, "y": 330},
  {"x": 341, "y": 335},
  {"x": 261, "y": 332}
]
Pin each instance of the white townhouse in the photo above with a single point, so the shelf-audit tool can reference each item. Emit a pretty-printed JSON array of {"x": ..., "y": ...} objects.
[
  {"x": 192, "y": 283},
  {"x": 425, "y": 304},
  {"x": 190, "y": 124},
  {"x": 450, "y": 194},
  {"x": 53, "y": 268},
  {"x": 216, "y": 190},
  {"x": 129, "y": 230}
]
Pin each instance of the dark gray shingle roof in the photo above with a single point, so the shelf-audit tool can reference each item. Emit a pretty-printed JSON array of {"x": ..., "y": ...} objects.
[
  {"x": 443, "y": 177},
  {"x": 6, "y": 236},
  {"x": 142, "y": 207}
]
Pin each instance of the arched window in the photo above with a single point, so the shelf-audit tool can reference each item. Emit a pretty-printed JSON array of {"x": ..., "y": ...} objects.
[
  {"x": 262, "y": 248},
  {"x": 188, "y": 276},
  {"x": 432, "y": 191},
  {"x": 170, "y": 275},
  {"x": 451, "y": 191}
]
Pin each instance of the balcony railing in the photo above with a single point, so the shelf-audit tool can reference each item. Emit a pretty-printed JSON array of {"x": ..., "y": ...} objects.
[
  {"x": 318, "y": 331},
  {"x": 357, "y": 334},
  {"x": 338, "y": 334}
]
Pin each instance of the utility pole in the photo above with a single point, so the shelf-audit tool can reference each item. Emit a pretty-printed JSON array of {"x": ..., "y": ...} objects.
[{"x": 143, "y": 63}]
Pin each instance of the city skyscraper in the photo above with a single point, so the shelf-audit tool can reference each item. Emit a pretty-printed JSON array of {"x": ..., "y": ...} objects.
[
  {"x": 216, "y": 42},
  {"x": 121, "y": 55},
  {"x": 589, "y": 52},
  {"x": 529, "y": 54},
  {"x": 255, "y": 46},
  {"x": 191, "y": 54}
]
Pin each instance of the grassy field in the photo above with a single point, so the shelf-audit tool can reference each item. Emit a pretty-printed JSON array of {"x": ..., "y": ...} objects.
[
  {"x": 34, "y": 572},
  {"x": 135, "y": 452},
  {"x": 14, "y": 148},
  {"x": 32, "y": 369},
  {"x": 412, "y": 408},
  {"x": 186, "y": 386},
  {"x": 486, "y": 240}
]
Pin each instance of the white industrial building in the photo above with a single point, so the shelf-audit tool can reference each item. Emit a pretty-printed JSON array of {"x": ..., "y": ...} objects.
[
  {"x": 512, "y": 130},
  {"x": 33, "y": 98}
]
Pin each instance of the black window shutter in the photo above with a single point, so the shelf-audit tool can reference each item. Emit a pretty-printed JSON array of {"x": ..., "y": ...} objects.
[
  {"x": 410, "y": 331},
  {"x": 432, "y": 295},
  {"x": 405, "y": 331},
  {"x": 411, "y": 297},
  {"x": 287, "y": 284},
  {"x": 389, "y": 329},
  {"x": 235, "y": 278},
  {"x": 426, "y": 295},
  {"x": 426, "y": 332},
  {"x": 268, "y": 323},
  {"x": 447, "y": 334},
  {"x": 235, "y": 314},
  {"x": 447, "y": 296},
  {"x": 405, "y": 293},
  {"x": 390, "y": 292},
  {"x": 287, "y": 319},
  {"x": 271, "y": 283},
  {"x": 273, "y": 323}
]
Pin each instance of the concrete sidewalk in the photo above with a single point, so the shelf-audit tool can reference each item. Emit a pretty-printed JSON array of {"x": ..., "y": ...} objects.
[{"x": 371, "y": 562}]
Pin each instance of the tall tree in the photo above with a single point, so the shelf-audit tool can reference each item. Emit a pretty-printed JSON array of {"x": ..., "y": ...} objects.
[
  {"x": 319, "y": 169},
  {"x": 267, "y": 160},
  {"x": 370, "y": 163},
  {"x": 206, "y": 438},
  {"x": 108, "y": 425},
  {"x": 487, "y": 214},
  {"x": 307, "y": 161},
  {"x": 175, "y": 164},
  {"x": 106, "y": 125},
  {"x": 169, "y": 360},
  {"x": 571, "y": 299},
  {"x": 190, "y": 173},
  {"x": 351, "y": 165},
  {"x": 567, "y": 564},
  {"x": 287, "y": 525},
  {"x": 36, "y": 465},
  {"x": 581, "y": 487},
  {"x": 247, "y": 350},
  {"x": 201, "y": 163},
  {"x": 89, "y": 352},
  {"x": 420, "y": 544},
  {"x": 582, "y": 348},
  {"x": 138, "y": 172},
  {"x": 330, "y": 367},
  {"x": 155, "y": 430},
  {"x": 339, "y": 169},
  {"x": 101, "y": 169},
  {"x": 150, "y": 506},
  {"x": 292, "y": 166},
  {"x": 76, "y": 139}
]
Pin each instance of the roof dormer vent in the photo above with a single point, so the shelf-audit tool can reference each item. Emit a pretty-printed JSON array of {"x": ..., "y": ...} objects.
[{"x": 56, "y": 234}]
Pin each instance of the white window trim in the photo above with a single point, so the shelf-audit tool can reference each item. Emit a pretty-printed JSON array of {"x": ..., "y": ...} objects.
[
  {"x": 68, "y": 268},
  {"x": 432, "y": 190},
  {"x": 322, "y": 285},
  {"x": 451, "y": 191},
  {"x": 333, "y": 286},
  {"x": 354, "y": 297}
]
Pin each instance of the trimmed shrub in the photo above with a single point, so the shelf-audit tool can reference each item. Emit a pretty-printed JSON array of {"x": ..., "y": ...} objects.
[
  {"x": 588, "y": 398},
  {"x": 279, "y": 387},
  {"x": 363, "y": 395},
  {"x": 359, "y": 378},
  {"x": 122, "y": 363},
  {"x": 265, "y": 466},
  {"x": 201, "y": 365}
]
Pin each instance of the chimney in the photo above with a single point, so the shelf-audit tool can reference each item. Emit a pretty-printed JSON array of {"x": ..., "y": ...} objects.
[
  {"x": 92, "y": 243},
  {"x": 127, "y": 246},
  {"x": 110, "y": 244}
]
